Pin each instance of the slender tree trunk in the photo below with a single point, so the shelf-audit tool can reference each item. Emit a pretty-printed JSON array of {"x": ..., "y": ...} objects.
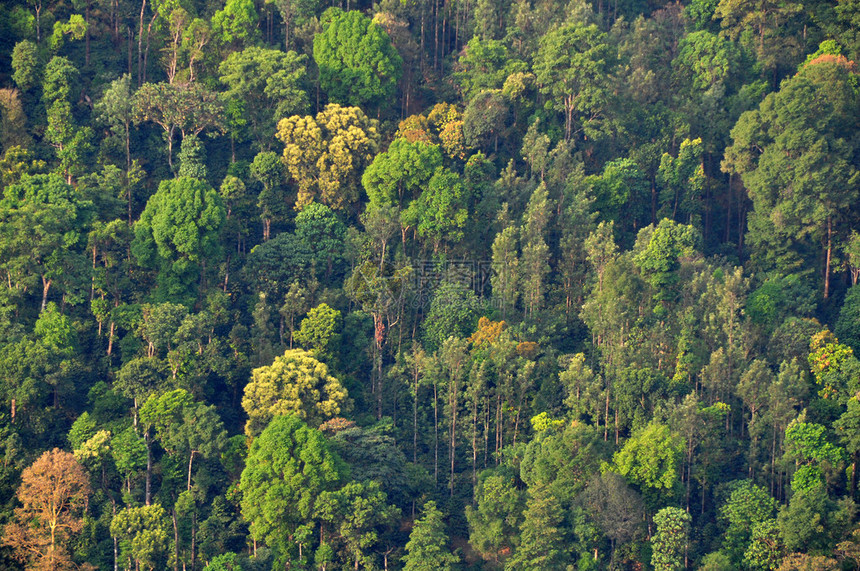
[
  {"x": 827, "y": 261},
  {"x": 147, "y": 494}
]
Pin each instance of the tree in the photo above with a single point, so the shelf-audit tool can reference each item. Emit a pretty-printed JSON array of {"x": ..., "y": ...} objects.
[
  {"x": 296, "y": 383},
  {"x": 454, "y": 311},
  {"x": 571, "y": 66},
  {"x": 53, "y": 493},
  {"x": 427, "y": 548},
  {"x": 326, "y": 154},
  {"x": 398, "y": 175},
  {"x": 50, "y": 213},
  {"x": 25, "y": 63},
  {"x": 271, "y": 85},
  {"x": 178, "y": 234},
  {"x": 319, "y": 330},
  {"x": 116, "y": 109},
  {"x": 497, "y": 514},
  {"x": 320, "y": 229},
  {"x": 142, "y": 535},
  {"x": 616, "y": 508},
  {"x": 800, "y": 138},
  {"x": 542, "y": 541},
  {"x": 669, "y": 543},
  {"x": 268, "y": 169},
  {"x": 440, "y": 213},
  {"x": 288, "y": 467},
  {"x": 353, "y": 516},
  {"x": 236, "y": 23},
  {"x": 747, "y": 506},
  {"x": 358, "y": 65},
  {"x": 650, "y": 458},
  {"x": 188, "y": 108}
]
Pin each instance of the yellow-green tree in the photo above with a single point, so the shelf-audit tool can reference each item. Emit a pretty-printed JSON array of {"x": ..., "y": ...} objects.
[
  {"x": 325, "y": 155},
  {"x": 297, "y": 384}
]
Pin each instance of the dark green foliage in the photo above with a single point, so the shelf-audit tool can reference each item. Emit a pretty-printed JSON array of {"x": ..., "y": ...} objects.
[{"x": 357, "y": 63}]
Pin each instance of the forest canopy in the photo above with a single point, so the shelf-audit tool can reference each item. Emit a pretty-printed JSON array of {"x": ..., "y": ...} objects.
[{"x": 462, "y": 285}]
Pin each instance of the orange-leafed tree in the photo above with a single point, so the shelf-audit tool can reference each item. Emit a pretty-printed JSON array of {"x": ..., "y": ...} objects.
[{"x": 53, "y": 496}]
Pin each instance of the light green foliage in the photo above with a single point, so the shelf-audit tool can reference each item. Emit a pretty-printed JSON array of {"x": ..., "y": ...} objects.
[
  {"x": 747, "y": 506},
  {"x": 54, "y": 218},
  {"x": 619, "y": 192},
  {"x": 427, "y": 549},
  {"x": 178, "y": 234},
  {"x": 296, "y": 383},
  {"x": 270, "y": 83},
  {"x": 398, "y": 175},
  {"x": 287, "y": 469},
  {"x": 326, "y": 154},
  {"x": 192, "y": 158},
  {"x": 563, "y": 459},
  {"x": 143, "y": 535},
  {"x": 682, "y": 181},
  {"x": 668, "y": 544},
  {"x": 319, "y": 331},
  {"x": 506, "y": 258},
  {"x": 660, "y": 257},
  {"x": 484, "y": 65},
  {"x": 765, "y": 549},
  {"x": 357, "y": 63},
  {"x": 129, "y": 452},
  {"x": 706, "y": 60},
  {"x": 534, "y": 260},
  {"x": 60, "y": 80},
  {"x": 806, "y": 443},
  {"x": 651, "y": 458},
  {"x": 236, "y": 23},
  {"x": 440, "y": 213},
  {"x": 834, "y": 366}
]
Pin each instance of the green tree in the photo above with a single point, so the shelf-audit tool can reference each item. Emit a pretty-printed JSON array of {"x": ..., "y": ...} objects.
[
  {"x": 325, "y": 237},
  {"x": 54, "y": 218},
  {"x": 296, "y": 383},
  {"x": 319, "y": 330},
  {"x": 398, "y": 175},
  {"x": 142, "y": 535},
  {"x": 651, "y": 458},
  {"x": 236, "y": 23},
  {"x": 288, "y": 467},
  {"x": 542, "y": 537},
  {"x": 669, "y": 543},
  {"x": 572, "y": 67},
  {"x": 357, "y": 63},
  {"x": 178, "y": 234},
  {"x": 268, "y": 170},
  {"x": 353, "y": 516},
  {"x": 427, "y": 548},
  {"x": 270, "y": 83},
  {"x": 748, "y": 505},
  {"x": 800, "y": 138}
]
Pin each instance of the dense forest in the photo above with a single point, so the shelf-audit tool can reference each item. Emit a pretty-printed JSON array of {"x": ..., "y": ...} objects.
[{"x": 429, "y": 285}]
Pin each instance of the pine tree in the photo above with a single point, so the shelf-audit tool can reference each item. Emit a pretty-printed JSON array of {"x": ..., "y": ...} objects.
[{"x": 427, "y": 549}]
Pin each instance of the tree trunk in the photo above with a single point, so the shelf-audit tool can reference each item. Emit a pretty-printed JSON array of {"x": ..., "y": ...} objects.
[{"x": 827, "y": 262}]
